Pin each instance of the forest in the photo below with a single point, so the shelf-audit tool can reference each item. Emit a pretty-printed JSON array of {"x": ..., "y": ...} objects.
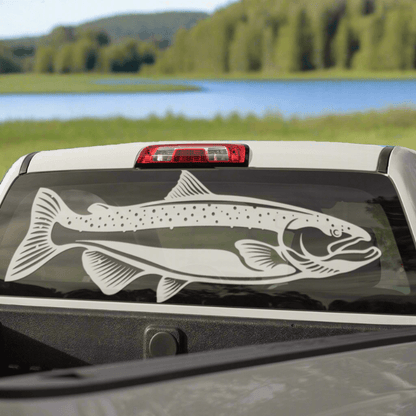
[
  {"x": 66, "y": 50},
  {"x": 283, "y": 36},
  {"x": 264, "y": 36},
  {"x": 121, "y": 43}
]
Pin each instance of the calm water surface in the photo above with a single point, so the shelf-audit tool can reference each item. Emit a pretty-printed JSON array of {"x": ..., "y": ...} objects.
[{"x": 289, "y": 98}]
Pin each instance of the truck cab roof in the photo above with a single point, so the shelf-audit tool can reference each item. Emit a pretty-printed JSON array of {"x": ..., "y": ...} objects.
[{"x": 263, "y": 154}]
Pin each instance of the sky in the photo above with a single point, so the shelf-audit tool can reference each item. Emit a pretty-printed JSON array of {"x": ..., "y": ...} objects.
[{"x": 19, "y": 18}]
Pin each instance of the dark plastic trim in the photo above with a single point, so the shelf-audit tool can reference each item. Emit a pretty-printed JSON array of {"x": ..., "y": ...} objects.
[
  {"x": 136, "y": 373},
  {"x": 26, "y": 162},
  {"x": 383, "y": 159}
]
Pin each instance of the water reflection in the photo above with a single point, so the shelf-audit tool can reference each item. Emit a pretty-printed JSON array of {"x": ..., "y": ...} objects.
[{"x": 288, "y": 98}]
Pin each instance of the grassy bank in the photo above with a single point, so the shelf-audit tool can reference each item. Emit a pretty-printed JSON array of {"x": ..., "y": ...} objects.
[
  {"x": 86, "y": 83},
  {"x": 393, "y": 127},
  {"x": 77, "y": 83},
  {"x": 326, "y": 74}
]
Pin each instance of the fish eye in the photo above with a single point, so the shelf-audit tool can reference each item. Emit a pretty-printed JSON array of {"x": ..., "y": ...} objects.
[{"x": 336, "y": 233}]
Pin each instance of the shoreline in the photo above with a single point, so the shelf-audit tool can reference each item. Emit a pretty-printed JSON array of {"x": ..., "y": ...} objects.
[
  {"x": 21, "y": 84},
  {"x": 30, "y": 83}
]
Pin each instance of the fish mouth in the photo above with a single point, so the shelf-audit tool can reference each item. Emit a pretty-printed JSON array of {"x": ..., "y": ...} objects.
[
  {"x": 353, "y": 249},
  {"x": 350, "y": 248}
]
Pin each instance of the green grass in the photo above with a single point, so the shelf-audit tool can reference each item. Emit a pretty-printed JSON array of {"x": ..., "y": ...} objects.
[
  {"x": 392, "y": 127},
  {"x": 76, "y": 83},
  {"x": 327, "y": 74},
  {"x": 85, "y": 83}
]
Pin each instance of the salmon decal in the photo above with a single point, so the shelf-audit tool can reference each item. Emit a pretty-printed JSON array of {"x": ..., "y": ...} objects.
[{"x": 112, "y": 265}]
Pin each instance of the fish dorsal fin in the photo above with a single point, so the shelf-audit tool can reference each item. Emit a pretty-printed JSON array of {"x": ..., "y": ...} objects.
[
  {"x": 169, "y": 287},
  {"x": 187, "y": 185},
  {"x": 261, "y": 256}
]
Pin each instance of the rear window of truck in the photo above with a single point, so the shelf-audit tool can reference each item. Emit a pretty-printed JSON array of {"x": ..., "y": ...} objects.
[{"x": 235, "y": 237}]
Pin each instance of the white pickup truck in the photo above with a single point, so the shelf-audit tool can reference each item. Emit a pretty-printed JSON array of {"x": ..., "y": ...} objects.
[{"x": 115, "y": 254}]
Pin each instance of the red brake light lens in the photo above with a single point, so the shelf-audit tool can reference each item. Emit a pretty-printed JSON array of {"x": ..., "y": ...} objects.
[{"x": 196, "y": 155}]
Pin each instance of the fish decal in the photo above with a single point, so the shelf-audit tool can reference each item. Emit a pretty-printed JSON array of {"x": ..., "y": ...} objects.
[{"x": 112, "y": 265}]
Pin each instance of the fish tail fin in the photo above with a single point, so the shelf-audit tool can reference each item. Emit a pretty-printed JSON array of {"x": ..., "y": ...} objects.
[{"x": 37, "y": 248}]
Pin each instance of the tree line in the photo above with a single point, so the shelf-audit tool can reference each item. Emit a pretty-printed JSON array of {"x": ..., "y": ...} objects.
[
  {"x": 280, "y": 36},
  {"x": 267, "y": 36},
  {"x": 66, "y": 50}
]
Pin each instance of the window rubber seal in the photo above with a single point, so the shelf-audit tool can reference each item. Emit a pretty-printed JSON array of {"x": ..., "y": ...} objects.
[
  {"x": 383, "y": 159},
  {"x": 26, "y": 162}
]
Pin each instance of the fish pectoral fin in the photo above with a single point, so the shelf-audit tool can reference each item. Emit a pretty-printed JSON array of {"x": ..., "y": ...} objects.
[
  {"x": 168, "y": 287},
  {"x": 187, "y": 186},
  {"x": 108, "y": 273},
  {"x": 261, "y": 256}
]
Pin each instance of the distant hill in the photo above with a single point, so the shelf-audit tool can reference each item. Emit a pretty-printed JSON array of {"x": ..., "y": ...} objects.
[{"x": 159, "y": 27}]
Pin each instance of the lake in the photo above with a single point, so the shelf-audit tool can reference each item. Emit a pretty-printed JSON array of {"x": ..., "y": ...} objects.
[{"x": 287, "y": 98}]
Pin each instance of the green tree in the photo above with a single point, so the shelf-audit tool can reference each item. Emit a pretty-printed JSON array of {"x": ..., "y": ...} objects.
[
  {"x": 239, "y": 60},
  {"x": 122, "y": 57},
  {"x": 394, "y": 46},
  {"x": 268, "y": 44},
  {"x": 198, "y": 39},
  {"x": 255, "y": 46},
  {"x": 246, "y": 48},
  {"x": 294, "y": 47},
  {"x": 181, "y": 57},
  {"x": 84, "y": 55},
  {"x": 197, "y": 34},
  {"x": 354, "y": 8},
  {"x": 103, "y": 59},
  {"x": 216, "y": 43},
  {"x": 211, "y": 40},
  {"x": 63, "y": 60},
  {"x": 343, "y": 42},
  {"x": 7, "y": 62},
  {"x": 320, "y": 37},
  {"x": 109, "y": 56},
  {"x": 166, "y": 62},
  {"x": 131, "y": 60},
  {"x": 44, "y": 59},
  {"x": 367, "y": 58},
  {"x": 61, "y": 35},
  {"x": 148, "y": 52},
  {"x": 411, "y": 46},
  {"x": 219, "y": 41}
]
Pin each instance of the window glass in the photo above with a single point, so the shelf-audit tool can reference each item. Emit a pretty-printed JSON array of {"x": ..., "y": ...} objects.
[{"x": 304, "y": 240}]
